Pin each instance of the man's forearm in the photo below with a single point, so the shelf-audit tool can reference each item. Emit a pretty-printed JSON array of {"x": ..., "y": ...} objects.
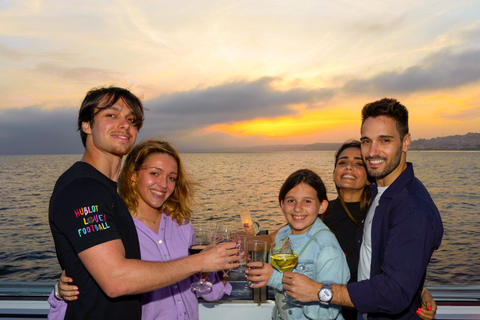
[
  {"x": 137, "y": 276},
  {"x": 341, "y": 296},
  {"x": 304, "y": 289},
  {"x": 119, "y": 276}
]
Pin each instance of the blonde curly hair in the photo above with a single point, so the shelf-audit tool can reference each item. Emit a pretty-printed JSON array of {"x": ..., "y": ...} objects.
[{"x": 179, "y": 204}]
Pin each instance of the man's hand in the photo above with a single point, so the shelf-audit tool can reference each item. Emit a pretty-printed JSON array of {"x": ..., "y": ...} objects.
[
  {"x": 259, "y": 276},
  {"x": 219, "y": 257},
  {"x": 300, "y": 287}
]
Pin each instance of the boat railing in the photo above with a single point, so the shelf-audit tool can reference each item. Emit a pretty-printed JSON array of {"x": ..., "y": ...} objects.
[{"x": 28, "y": 300}]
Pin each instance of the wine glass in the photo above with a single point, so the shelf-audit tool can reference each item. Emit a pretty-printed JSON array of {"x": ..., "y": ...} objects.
[
  {"x": 203, "y": 238},
  {"x": 283, "y": 258},
  {"x": 225, "y": 233}
]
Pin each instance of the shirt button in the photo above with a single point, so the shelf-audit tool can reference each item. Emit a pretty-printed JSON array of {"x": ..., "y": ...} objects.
[
  {"x": 174, "y": 287},
  {"x": 289, "y": 311},
  {"x": 165, "y": 256},
  {"x": 160, "y": 241},
  {"x": 178, "y": 301},
  {"x": 162, "y": 229}
]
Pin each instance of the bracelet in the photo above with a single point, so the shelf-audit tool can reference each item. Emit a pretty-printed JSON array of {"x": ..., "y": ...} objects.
[{"x": 57, "y": 291}]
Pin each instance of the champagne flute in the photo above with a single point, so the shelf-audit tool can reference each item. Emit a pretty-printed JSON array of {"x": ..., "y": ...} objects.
[
  {"x": 283, "y": 258},
  {"x": 242, "y": 249},
  {"x": 203, "y": 238},
  {"x": 225, "y": 233}
]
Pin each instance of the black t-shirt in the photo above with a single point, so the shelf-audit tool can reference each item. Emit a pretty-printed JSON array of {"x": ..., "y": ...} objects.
[{"x": 86, "y": 210}]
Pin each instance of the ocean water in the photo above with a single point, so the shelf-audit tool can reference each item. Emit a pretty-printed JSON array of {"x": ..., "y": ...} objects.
[{"x": 228, "y": 182}]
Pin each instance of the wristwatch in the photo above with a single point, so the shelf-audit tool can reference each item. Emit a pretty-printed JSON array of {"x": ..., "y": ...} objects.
[{"x": 325, "y": 294}]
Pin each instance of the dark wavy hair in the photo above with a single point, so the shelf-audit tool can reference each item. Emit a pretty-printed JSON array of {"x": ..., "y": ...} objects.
[
  {"x": 101, "y": 98},
  {"x": 306, "y": 176},
  {"x": 179, "y": 204},
  {"x": 389, "y": 108}
]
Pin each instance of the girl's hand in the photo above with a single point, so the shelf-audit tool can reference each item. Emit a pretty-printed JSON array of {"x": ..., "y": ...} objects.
[
  {"x": 429, "y": 306},
  {"x": 66, "y": 291},
  {"x": 259, "y": 276}
]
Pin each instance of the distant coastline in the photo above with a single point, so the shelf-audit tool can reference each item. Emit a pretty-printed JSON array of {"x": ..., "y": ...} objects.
[{"x": 466, "y": 142}]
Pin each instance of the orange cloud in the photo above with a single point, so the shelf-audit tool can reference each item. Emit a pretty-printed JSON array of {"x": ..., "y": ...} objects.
[{"x": 304, "y": 124}]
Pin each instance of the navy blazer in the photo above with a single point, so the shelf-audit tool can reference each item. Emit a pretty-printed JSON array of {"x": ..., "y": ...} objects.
[{"x": 406, "y": 229}]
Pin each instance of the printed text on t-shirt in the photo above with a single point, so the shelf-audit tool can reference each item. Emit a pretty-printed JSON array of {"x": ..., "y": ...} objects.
[{"x": 92, "y": 220}]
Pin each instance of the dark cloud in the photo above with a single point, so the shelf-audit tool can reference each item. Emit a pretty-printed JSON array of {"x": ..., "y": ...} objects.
[
  {"x": 236, "y": 101},
  {"x": 438, "y": 71},
  {"x": 34, "y": 131}
]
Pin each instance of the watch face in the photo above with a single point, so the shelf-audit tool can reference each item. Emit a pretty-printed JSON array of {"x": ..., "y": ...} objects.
[{"x": 326, "y": 295}]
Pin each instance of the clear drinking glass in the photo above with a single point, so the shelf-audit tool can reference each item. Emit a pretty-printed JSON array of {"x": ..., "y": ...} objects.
[
  {"x": 203, "y": 238},
  {"x": 256, "y": 252}
]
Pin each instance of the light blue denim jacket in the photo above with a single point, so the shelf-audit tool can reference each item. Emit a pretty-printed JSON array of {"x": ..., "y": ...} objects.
[{"x": 323, "y": 261}]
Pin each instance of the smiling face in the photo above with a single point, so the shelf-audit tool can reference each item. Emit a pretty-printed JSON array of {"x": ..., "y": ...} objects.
[
  {"x": 155, "y": 181},
  {"x": 383, "y": 151},
  {"x": 301, "y": 207},
  {"x": 350, "y": 173},
  {"x": 113, "y": 130}
]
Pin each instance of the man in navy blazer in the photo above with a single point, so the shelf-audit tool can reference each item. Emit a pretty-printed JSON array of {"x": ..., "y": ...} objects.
[{"x": 401, "y": 230}]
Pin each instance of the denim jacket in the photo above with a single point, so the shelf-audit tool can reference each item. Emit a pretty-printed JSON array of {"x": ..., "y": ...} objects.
[{"x": 322, "y": 260}]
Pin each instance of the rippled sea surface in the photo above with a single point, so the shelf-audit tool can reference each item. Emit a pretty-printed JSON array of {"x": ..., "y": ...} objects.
[{"x": 228, "y": 182}]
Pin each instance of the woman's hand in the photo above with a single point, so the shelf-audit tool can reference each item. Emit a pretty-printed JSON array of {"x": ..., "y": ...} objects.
[
  {"x": 429, "y": 306},
  {"x": 66, "y": 291},
  {"x": 257, "y": 275}
]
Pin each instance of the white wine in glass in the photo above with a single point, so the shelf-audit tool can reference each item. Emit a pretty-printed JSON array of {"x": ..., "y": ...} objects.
[{"x": 283, "y": 258}]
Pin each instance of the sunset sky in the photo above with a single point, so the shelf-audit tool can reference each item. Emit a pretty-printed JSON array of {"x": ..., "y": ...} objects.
[{"x": 237, "y": 73}]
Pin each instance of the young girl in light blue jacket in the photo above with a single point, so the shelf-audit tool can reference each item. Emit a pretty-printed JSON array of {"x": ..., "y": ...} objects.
[{"x": 302, "y": 198}]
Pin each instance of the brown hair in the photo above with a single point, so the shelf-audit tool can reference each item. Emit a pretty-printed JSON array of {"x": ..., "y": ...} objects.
[
  {"x": 389, "y": 108},
  {"x": 107, "y": 97},
  {"x": 306, "y": 176}
]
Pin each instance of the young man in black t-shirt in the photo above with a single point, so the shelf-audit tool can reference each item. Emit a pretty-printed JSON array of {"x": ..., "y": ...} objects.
[{"x": 94, "y": 234}]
